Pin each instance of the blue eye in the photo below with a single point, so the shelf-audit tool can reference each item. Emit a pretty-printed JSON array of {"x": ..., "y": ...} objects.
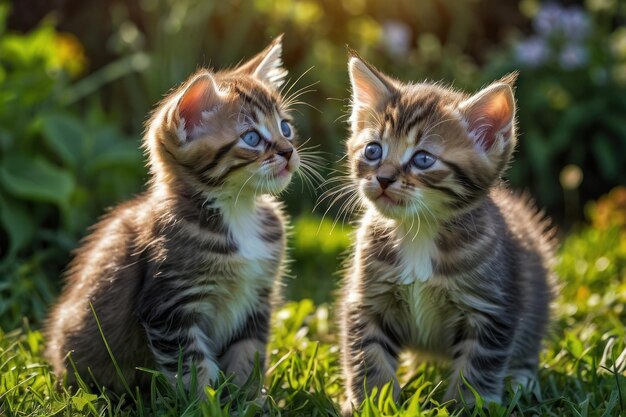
[
  {"x": 251, "y": 137},
  {"x": 285, "y": 128},
  {"x": 423, "y": 160},
  {"x": 373, "y": 151}
]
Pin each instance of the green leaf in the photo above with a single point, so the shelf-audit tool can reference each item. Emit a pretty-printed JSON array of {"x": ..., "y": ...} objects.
[
  {"x": 112, "y": 149},
  {"x": 7, "y": 138},
  {"x": 575, "y": 119},
  {"x": 4, "y": 12},
  {"x": 605, "y": 155},
  {"x": 17, "y": 223},
  {"x": 65, "y": 135},
  {"x": 120, "y": 154},
  {"x": 615, "y": 123},
  {"x": 83, "y": 399},
  {"x": 29, "y": 50},
  {"x": 36, "y": 179},
  {"x": 536, "y": 145}
]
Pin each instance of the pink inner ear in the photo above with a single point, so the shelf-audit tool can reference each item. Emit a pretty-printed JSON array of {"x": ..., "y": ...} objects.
[
  {"x": 196, "y": 99},
  {"x": 488, "y": 117}
]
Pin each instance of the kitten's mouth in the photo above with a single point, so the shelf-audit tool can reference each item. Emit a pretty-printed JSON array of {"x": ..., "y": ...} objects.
[
  {"x": 281, "y": 170},
  {"x": 284, "y": 172},
  {"x": 385, "y": 199}
]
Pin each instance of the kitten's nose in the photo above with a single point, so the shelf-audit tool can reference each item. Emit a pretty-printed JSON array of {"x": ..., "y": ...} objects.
[
  {"x": 286, "y": 153},
  {"x": 385, "y": 181}
]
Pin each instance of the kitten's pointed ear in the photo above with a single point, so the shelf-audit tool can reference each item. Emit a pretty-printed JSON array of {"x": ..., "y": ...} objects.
[
  {"x": 267, "y": 66},
  {"x": 369, "y": 86},
  {"x": 198, "y": 102},
  {"x": 490, "y": 115}
]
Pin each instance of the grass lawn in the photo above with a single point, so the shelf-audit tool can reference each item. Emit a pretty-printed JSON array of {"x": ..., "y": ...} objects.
[{"x": 583, "y": 367}]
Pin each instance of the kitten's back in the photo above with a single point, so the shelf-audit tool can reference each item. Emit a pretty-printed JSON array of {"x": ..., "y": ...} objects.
[
  {"x": 532, "y": 242},
  {"x": 106, "y": 271}
]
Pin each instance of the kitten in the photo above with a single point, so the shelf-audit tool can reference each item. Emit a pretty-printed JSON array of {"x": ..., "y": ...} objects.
[
  {"x": 446, "y": 260},
  {"x": 189, "y": 268}
]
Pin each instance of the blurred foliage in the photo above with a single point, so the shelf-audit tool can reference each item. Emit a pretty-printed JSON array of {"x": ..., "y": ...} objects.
[
  {"x": 317, "y": 248},
  {"x": 571, "y": 97},
  {"x": 59, "y": 165},
  {"x": 592, "y": 265},
  {"x": 610, "y": 210}
]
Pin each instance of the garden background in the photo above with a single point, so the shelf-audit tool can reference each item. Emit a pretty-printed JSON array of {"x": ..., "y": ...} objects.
[{"x": 79, "y": 78}]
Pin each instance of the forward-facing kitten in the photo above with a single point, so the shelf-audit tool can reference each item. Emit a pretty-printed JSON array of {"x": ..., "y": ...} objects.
[
  {"x": 446, "y": 260},
  {"x": 191, "y": 266}
]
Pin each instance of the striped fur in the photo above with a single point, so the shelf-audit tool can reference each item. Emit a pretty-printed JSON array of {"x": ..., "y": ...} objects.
[
  {"x": 446, "y": 260},
  {"x": 191, "y": 268}
]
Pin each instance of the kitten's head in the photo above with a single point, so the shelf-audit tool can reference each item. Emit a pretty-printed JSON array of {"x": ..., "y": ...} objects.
[
  {"x": 227, "y": 131},
  {"x": 423, "y": 148}
]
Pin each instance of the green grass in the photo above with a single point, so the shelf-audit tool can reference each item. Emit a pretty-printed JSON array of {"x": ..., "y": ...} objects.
[{"x": 583, "y": 367}]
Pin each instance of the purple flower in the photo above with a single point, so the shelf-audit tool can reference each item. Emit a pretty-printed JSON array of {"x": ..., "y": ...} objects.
[
  {"x": 549, "y": 19},
  {"x": 573, "y": 56},
  {"x": 532, "y": 52},
  {"x": 575, "y": 23},
  {"x": 397, "y": 37}
]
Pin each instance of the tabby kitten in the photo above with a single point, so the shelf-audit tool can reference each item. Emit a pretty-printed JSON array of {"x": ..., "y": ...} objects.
[
  {"x": 188, "y": 269},
  {"x": 446, "y": 260}
]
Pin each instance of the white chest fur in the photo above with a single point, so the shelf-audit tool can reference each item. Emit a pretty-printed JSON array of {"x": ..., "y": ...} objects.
[
  {"x": 245, "y": 224},
  {"x": 251, "y": 269},
  {"x": 425, "y": 295},
  {"x": 416, "y": 254},
  {"x": 416, "y": 260}
]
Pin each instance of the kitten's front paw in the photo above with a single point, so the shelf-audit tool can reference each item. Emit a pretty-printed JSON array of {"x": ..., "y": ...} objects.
[
  {"x": 241, "y": 360},
  {"x": 463, "y": 398},
  {"x": 526, "y": 381}
]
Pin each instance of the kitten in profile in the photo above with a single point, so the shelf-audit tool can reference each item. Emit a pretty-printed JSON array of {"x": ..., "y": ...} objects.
[
  {"x": 189, "y": 268},
  {"x": 446, "y": 261}
]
